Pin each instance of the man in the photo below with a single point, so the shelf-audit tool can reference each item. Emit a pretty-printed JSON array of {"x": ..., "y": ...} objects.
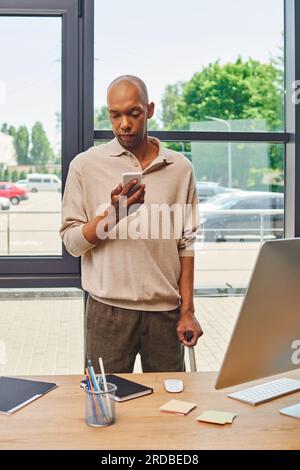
[{"x": 140, "y": 289}]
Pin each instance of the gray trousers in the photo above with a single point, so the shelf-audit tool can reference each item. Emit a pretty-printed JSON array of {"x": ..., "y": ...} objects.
[{"x": 118, "y": 335}]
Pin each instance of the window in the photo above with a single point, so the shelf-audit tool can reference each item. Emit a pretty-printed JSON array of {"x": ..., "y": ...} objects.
[
  {"x": 40, "y": 45},
  {"x": 201, "y": 64},
  {"x": 251, "y": 203},
  {"x": 35, "y": 180},
  {"x": 34, "y": 131},
  {"x": 40, "y": 93},
  {"x": 277, "y": 203},
  {"x": 201, "y": 67}
]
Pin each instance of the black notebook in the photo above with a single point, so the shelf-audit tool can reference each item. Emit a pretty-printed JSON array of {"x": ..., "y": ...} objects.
[
  {"x": 16, "y": 393},
  {"x": 126, "y": 389}
]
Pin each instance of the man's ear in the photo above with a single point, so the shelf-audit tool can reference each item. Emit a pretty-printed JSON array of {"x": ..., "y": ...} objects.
[{"x": 150, "y": 112}]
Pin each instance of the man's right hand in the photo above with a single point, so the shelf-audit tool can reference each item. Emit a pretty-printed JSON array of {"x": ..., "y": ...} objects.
[
  {"x": 97, "y": 229},
  {"x": 123, "y": 197}
]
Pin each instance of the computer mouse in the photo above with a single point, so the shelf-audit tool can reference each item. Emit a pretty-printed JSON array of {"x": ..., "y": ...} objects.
[{"x": 173, "y": 385}]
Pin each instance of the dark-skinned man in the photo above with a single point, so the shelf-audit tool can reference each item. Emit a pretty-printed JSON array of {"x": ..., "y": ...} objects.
[{"x": 140, "y": 290}]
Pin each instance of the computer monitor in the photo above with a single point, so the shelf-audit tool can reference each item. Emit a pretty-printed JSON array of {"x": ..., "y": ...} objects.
[{"x": 266, "y": 338}]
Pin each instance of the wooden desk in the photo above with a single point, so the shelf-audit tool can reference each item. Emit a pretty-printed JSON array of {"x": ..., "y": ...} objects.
[{"x": 56, "y": 421}]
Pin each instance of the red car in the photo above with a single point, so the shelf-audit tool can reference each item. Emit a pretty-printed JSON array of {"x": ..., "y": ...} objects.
[{"x": 13, "y": 192}]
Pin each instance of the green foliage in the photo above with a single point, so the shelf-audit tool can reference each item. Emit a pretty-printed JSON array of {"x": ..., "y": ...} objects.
[
  {"x": 57, "y": 172},
  {"x": 249, "y": 96},
  {"x": 171, "y": 100},
  {"x": 6, "y": 175},
  {"x": 14, "y": 176},
  {"x": 240, "y": 90},
  {"x": 153, "y": 125},
  {"x": 22, "y": 175},
  {"x": 41, "y": 151},
  {"x": 9, "y": 130},
  {"x": 4, "y": 128},
  {"x": 102, "y": 119},
  {"x": 21, "y": 142}
]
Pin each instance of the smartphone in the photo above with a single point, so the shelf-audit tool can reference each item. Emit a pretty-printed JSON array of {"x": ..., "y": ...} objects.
[{"x": 127, "y": 177}]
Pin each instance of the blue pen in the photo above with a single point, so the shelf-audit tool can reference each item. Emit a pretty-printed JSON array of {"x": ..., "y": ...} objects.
[
  {"x": 88, "y": 383},
  {"x": 88, "y": 386},
  {"x": 96, "y": 386}
]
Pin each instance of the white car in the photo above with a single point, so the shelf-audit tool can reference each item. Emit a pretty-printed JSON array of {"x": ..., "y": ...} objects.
[
  {"x": 43, "y": 182},
  {"x": 4, "y": 203},
  {"x": 22, "y": 184}
]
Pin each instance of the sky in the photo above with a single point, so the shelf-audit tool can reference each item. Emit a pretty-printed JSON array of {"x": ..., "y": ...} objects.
[{"x": 160, "y": 41}]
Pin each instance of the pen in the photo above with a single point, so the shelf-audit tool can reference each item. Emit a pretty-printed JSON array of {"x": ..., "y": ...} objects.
[
  {"x": 90, "y": 388},
  {"x": 88, "y": 383},
  {"x": 105, "y": 385},
  {"x": 95, "y": 386}
]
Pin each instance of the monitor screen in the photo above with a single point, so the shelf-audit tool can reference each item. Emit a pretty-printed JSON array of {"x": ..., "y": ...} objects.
[{"x": 266, "y": 337}]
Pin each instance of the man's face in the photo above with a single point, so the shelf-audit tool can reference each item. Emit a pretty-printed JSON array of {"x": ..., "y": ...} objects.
[{"x": 128, "y": 114}]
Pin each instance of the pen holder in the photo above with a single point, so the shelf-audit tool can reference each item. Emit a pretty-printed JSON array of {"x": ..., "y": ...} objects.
[{"x": 100, "y": 406}]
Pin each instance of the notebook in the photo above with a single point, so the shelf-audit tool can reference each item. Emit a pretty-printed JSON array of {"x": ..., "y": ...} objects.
[
  {"x": 16, "y": 393},
  {"x": 126, "y": 389}
]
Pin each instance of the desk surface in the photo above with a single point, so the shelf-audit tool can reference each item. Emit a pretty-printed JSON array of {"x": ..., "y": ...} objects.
[{"x": 56, "y": 420}]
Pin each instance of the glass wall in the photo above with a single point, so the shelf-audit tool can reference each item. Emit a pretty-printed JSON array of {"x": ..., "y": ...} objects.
[
  {"x": 208, "y": 65},
  {"x": 30, "y": 135},
  {"x": 41, "y": 331}
]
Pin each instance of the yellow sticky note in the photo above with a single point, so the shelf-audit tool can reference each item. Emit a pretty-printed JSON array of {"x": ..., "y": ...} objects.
[
  {"x": 178, "y": 406},
  {"x": 216, "y": 417}
]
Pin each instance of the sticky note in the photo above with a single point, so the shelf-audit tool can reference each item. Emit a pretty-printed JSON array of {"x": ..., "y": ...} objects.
[
  {"x": 293, "y": 411},
  {"x": 178, "y": 406},
  {"x": 216, "y": 417}
]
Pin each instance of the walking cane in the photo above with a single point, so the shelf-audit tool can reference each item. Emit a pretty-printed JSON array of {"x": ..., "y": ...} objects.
[{"x": 188, "y": 335}]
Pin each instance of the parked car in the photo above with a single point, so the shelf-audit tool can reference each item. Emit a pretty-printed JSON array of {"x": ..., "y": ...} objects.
[
  {"x": 13, "y": 192},
  {"x": 4, "y": 203},
  {"x": 208, "y": 189},
  {"x": 242, "y": 225},
  {"x": 22, "y": 184},
  {"x": 43, "y": 182}
]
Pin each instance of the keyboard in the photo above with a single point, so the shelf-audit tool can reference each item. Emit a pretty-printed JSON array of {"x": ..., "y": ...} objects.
[{"x": 266, "y": 392}]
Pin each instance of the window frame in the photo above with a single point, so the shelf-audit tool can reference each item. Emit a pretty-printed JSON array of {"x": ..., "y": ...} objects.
[{"x": 77, "y": 100}]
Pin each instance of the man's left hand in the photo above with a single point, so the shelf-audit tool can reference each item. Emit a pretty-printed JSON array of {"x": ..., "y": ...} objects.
[{"x": 188, "y": 322}]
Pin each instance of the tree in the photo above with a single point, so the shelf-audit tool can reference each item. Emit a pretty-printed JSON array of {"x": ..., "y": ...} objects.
[
  {"x": 153, "y": 125},
  {"x": 249, "y": 95},
  {"x": 240, "y": 90},
  {"x": 40, "y": 151},
  {"x": 102, "y": 119},
  {"x": 21, "y": 141},
  {"x": 14, "y": 176},
  {"x": 4, "y": 128},
  {"x": 6, "y": 175},
  {"x": 9, "y": 130},
  {"x": 170, "y": 100}
]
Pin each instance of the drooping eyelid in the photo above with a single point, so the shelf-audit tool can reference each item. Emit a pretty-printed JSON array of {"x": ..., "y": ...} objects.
[
  {"x": 130, "y": 112},
  {"x": 114, "y": 114}
]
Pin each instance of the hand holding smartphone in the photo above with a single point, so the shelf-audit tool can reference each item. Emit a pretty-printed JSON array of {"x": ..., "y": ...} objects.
[{"x": 129, "y": 176}]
